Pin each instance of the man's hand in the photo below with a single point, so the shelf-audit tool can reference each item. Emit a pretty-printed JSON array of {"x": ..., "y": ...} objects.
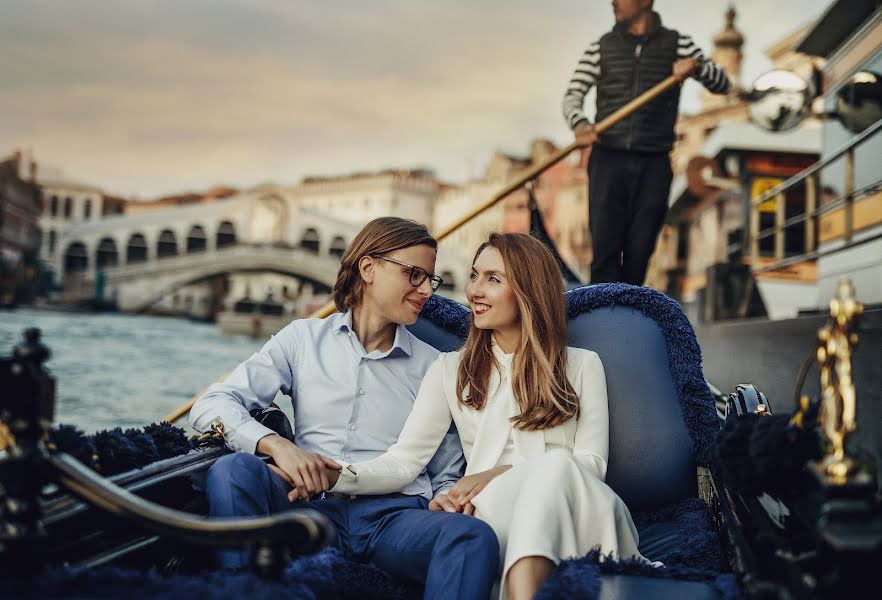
[
  {"x": 683, "y": 68},
  {"x": 585, "y": 134},
  {"x": 304, "y": 471},
  {"x": 465, "y": 490}
]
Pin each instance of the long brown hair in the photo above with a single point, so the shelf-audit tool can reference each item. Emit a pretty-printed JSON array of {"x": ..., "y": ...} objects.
[
  {"x": 539, "y": 370},
  {"x": 380, "y": 236}
]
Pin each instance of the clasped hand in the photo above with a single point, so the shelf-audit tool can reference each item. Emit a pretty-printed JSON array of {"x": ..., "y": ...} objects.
[
  {"x": 459, "y": 497},
  {"x": 308, "y": 473}
]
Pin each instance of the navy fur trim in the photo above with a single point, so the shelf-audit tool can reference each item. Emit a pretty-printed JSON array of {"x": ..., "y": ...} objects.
[
  {"x": 325, "y": 575},
  {"x": 684, "y": 355},
  {"x": 581, "y": 577},
  {"x": 449, "y": 315},
  {"x": 698, "y": 544}
]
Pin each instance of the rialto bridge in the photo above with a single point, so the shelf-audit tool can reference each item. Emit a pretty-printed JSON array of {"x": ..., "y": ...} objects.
[{"x": 135, "y": 259}]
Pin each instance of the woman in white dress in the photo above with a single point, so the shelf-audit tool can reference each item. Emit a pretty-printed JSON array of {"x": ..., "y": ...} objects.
[{"x": 532, "y": 417}]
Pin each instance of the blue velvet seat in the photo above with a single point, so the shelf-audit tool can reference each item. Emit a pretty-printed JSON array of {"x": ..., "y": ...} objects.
[{"x": 662, "y": 414}]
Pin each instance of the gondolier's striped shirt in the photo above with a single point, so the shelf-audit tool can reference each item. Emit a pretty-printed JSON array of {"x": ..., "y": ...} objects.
[{"x": 624, "y": 66}]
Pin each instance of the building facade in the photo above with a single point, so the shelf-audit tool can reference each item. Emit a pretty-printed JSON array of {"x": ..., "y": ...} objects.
[{"x": 20, "y": 207}]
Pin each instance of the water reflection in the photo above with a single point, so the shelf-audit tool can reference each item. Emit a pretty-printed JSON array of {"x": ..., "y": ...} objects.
[{"x": 125, "y": 370}]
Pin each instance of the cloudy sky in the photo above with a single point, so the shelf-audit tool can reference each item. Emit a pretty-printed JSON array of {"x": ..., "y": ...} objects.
[{"x": 147, "y": 97}]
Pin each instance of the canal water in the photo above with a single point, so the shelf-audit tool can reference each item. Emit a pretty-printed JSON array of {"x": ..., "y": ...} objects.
[{"x": 124, "y": 370}]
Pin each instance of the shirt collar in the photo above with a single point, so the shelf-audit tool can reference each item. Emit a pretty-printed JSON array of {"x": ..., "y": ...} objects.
[
  {"x": 402, "y": 335},
  {"x": 501, "y": 356}
]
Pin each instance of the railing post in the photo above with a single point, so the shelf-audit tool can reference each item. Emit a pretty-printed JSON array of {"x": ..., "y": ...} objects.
[
  {"x": 811, "y": 205},
  {"x": 780, "y": 216},
  {"x": 753, "y": 234},
  {"x": 849, "y": 194}
]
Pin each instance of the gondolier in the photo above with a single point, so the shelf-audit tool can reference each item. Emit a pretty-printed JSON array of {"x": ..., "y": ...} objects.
[{"x": 630, "y": 170}]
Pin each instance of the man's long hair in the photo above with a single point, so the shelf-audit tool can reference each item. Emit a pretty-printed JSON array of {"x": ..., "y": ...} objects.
[
  {"x": 380, "y": 236},
  {"x": 539, "y": 369}
]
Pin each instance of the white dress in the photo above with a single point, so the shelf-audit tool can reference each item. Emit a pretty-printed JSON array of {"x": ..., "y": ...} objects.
[{"x": 553, "y": 502}]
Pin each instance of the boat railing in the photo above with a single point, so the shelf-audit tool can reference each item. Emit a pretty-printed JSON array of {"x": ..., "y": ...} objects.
[
  {"x": 26, "y": 467},
  {"x": 813, "y": 217}
]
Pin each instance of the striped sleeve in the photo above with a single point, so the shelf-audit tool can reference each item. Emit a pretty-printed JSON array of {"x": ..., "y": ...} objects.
[
  {"x": 586, "y": 75},
  {"x": 709, "y": 74}
]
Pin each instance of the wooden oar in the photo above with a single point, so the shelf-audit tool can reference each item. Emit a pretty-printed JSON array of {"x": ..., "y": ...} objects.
[
  {"x": 608, "y": 122},
  {"x": 622, "y": 113}
]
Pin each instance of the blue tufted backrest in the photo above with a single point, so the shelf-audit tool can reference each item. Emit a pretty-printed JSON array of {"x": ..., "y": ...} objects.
[
  {"x": 662, "y": 415},
  {"x": 650, "y": 451}
]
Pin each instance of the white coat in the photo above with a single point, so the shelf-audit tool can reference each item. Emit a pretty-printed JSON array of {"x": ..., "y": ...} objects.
[{"x": 553, "y": 502}]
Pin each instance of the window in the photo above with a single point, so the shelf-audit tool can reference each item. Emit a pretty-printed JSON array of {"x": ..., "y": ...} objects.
[
  {"x": 75, "y": 258},
  {"x": 226, "y": 235},
  {"x": 196, "y": 239},
  {"x": 106, "y": 256},
  {"x": 167, "y": 244},
  {"x": 136, "y": 249},
  {"x": 338, "y": 247},
  {"x": 310, "y": 240}
]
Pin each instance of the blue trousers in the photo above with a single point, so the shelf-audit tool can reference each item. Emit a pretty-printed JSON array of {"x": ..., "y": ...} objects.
[{"x": 454, "y": 555}]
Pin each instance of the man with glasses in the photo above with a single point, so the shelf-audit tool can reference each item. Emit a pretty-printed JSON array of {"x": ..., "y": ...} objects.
[
  {"x": 352, "y": 378},
  {"x": 417, "y": 275}
]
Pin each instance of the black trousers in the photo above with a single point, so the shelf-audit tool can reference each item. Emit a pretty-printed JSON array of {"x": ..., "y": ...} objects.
[{"x": 627, "y": 201}]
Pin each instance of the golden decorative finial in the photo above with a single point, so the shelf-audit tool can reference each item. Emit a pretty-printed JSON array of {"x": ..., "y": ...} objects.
[
  {"x": 836, "y": 342},
  {"x": 7, "y": 440}
]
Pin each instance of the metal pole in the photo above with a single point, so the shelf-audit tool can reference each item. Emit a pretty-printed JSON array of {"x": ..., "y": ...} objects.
[
  {"x": 780, "y": 215},
  {"x": 849, "y": 194},
  {"x": 811, "y": 204}
]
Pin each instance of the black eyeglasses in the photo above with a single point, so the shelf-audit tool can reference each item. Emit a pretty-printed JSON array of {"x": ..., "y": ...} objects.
[{"x": 417, "y": 274}]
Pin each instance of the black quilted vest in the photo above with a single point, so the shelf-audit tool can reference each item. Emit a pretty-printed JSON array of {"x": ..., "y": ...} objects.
[{"x": 630, "y": 65}]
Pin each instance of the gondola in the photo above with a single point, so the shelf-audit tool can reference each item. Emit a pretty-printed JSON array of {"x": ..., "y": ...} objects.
[{"x": 735, "y": 500}]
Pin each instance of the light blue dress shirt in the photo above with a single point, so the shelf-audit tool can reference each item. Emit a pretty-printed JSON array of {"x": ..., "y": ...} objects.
[{"x": 348, "y": 404}]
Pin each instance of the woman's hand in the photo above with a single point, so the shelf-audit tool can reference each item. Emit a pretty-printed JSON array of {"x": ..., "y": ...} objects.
[
  {"x": 442, "y": 502},
  {"x": 468, "y": 487}
]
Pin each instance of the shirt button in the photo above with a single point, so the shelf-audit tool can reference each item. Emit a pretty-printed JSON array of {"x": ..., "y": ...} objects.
[
  {"x": 352, "y": 427},
  {"x": 361, "y": 392},
  {"x": 345, "y": 455}
]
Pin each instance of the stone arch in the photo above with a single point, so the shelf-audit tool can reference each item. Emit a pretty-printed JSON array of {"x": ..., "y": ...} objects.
[
  {"x": 196, "y": 239},
  {"x": 226, "y": 235},
  {"x": 68, "y": 207},
  {"x": 166, "y": 244},
  {"x": 76, "y": 258},
  {"x": 310, "y": 240},
  {"x": 106, "y": 255},
  {"x": 87, "y": 209},
  {"x": 268, "y": 219},
  {"x": 338, "y": 247},
  {"x": 53, "y": 206},
  {"x": 136, "y": 248}
]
